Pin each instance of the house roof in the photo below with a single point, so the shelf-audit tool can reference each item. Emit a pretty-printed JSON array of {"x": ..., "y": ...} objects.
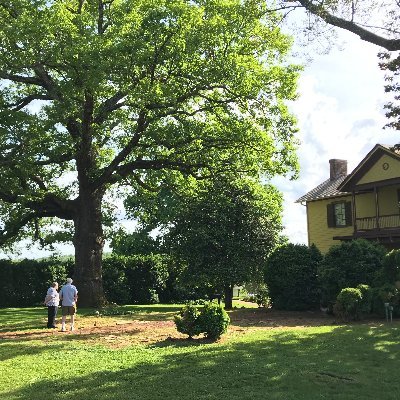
[
  {"x": 329, "y": 188},
  {"x": 343, "y": 185}
]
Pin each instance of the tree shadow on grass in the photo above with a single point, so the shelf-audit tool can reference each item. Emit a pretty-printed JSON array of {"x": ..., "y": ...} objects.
[{"x": 351, "y": 362}]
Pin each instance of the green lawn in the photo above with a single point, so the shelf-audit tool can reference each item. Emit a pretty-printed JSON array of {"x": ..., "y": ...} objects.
[{"x": 328, "y": 362}]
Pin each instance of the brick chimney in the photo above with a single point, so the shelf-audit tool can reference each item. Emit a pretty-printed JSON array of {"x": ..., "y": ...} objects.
[{"x": 338, "y": 168}]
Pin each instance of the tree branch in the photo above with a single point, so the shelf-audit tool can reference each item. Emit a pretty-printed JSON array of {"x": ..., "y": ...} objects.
[
  {"x": 29, "y": 80},
  {"x": 109, "y": 105},
  {"x": 27, "y": 100},
  {"x": 127, "y": 169},
  {"x": 11, "y": 229},
  {"x": 48, "y": 82},
  {"x": 121, "y": 156},
  {"x": 364, "y": 34}
]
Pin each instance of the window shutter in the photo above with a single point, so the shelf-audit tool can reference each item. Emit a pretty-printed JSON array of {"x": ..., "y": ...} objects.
[
  {"x": 330, "y": 211},
  {"x": 349, "y": 214}
]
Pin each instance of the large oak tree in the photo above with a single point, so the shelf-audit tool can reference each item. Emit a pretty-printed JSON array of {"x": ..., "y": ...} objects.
[{"x": 116, "y": 92}]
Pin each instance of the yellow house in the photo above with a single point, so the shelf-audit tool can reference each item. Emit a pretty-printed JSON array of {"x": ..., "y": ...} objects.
[{"x": 363, "y": 204}]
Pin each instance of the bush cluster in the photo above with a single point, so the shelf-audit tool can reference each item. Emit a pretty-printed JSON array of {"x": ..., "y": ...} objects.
[
  {"x": 353, "y": 279},
  {"x": 348, "y": 265},
  {"x": 291, "y": 277},
  {"x": 212, "y": 320}
]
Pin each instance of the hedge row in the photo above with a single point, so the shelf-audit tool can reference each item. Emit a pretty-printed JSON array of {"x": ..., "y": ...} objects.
[
  {"x": 25, "y": 283},
  {"x": 126, "y": 280}
]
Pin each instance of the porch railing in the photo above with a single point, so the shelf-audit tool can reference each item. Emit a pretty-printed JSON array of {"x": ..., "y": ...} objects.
[{"x": 382, "y": 222}]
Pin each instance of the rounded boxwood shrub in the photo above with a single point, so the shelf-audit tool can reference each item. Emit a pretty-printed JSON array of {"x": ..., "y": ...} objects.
[
  {"x": 291, "y": 277},
  {"x": 353, "y": 303},
  {"x": 187, "y": 320},
  {"x": 348, "y": 304},
  {"x": 213, "y": 320}
]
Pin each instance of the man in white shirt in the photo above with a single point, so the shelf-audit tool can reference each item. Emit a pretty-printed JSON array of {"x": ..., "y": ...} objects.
[{"x": 68, "y": 297}]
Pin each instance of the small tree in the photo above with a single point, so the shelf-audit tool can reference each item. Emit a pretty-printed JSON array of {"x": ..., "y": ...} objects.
[
  {"x": 225, "y": 231},
  {"x": 291, "y": 277}
]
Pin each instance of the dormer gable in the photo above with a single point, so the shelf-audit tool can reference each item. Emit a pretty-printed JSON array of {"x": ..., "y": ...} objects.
[{"x": 380, "y": 166}]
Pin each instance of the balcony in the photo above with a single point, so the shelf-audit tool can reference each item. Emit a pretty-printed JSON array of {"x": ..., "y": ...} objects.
[
  {"x": 377, "y": 223},
  {"x": 384, "y": 229}
]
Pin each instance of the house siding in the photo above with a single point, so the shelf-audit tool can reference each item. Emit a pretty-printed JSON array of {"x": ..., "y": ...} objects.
[
  {"x": 388, "y": 201},
  {"x": 365, "y": 205},
  {"x": 318, "y": 231}
]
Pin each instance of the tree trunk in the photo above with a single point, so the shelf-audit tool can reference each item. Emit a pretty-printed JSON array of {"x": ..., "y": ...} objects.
[
  {"x": 228, "y": 291},
  {"x": 89, "y": 243}
]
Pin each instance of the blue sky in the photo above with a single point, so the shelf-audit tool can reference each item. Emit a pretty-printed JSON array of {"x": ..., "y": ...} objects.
[{"x": 340, "y": 114}]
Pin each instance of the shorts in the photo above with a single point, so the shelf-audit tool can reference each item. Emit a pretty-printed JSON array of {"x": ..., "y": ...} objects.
[{"x": 68, "y": 310}]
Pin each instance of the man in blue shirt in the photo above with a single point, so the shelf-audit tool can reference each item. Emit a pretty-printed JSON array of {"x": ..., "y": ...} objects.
[{"x": 68, "y": 297}]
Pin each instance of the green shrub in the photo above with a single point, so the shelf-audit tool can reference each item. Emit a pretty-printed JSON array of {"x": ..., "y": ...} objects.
[
  {"x": 187, "y": 320},
  {"x": 366, "y": 301},
  {"x": 347, "y": 265},
  {"x": 291, "y": 277},
  {"x": 385, "y": 294},
  {"x": 348, "y": 304},
  {"x": 213, "y": 320},
  {"x": 391, "y": 266},
  {"x": 146, "y": 276},
  {"x": 134, "y": 279},
  {"x": 262, "y": 297},
  {"x": 115, "y": 283}
]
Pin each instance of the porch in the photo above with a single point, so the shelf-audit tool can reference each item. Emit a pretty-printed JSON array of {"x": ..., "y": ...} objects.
[{"x": 383, "y": 228}]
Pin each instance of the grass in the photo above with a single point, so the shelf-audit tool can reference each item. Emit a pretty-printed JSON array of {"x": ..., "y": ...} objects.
[{"x": 324, "y": 362}]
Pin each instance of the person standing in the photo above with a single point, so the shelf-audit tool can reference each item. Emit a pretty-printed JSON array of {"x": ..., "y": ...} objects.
[
  {"x": 52, "y": 301},
  {"x": 69, "y": 297}
]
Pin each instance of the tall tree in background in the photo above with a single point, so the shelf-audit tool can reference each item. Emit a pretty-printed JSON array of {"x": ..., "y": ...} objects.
[
  {"x": 98, "y": 94},
  {"x": 225, "y": 231},
  {"x": 392, "y": 67}
]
